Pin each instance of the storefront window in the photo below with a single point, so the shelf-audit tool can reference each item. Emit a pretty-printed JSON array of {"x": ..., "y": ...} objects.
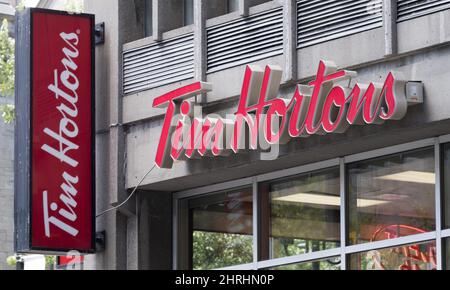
[
  {"x": 326, "y": 264},
  {"x": 304, "y": 214},
  {"x": 409, "y": 257},
  {"x": 392, "y": 197},
  {"x": 447, "y": 254},
  {"x": 221, "y": 228},
  {"x": 446, "y": 173}
]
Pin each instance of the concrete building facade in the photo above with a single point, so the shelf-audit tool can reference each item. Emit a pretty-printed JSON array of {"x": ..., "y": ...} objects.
[
  {"x": 7, "y": 11},
  {"x": 154, "y": 47}
]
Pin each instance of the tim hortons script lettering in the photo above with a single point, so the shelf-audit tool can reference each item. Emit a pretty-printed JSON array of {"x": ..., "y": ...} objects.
[
  {"x": 328, "y": 104},
  {"x": 62, "y": 214}
]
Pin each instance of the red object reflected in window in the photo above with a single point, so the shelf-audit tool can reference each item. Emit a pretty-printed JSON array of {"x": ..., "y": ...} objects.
[{"x": 413, "y": 257}]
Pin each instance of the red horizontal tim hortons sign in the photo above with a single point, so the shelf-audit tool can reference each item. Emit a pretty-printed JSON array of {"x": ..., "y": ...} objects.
[
  {"x": 323, "y": 106},
  {"x": 62, "y": 173}
]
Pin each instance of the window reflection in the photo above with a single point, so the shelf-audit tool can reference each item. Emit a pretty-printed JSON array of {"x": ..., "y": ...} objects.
[
  {"x": 148, "y": 17},
  {"x": 326, "y": 264},
  {"x": 188, "y": 12},
  {"x": 409, "y": 257},
  {"x": 221, "y": 229},
  {"x": 304, "y": 214},
  {"x": 392, "y": 197}
]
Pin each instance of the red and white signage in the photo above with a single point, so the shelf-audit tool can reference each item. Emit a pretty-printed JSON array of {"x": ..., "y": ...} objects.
[
  {"x": 326, "y": 105},
  {"x": 62, "y": 132}
]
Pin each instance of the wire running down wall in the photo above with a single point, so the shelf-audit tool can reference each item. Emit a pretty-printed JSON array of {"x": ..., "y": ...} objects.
[
  {"x": 158, "y": 64},
  {"x": 324, "y": 20},
  {"x": 408, "y": 9},
  {"x": 245, "y": 40}
]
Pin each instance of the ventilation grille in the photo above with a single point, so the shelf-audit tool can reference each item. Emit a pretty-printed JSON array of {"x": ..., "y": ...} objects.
[
  {"x": 245, "y": 40},
  {"x": 158, "y": 64},
  {"x": 408, "y": 9},
  {"x": 324, "y": 20}
]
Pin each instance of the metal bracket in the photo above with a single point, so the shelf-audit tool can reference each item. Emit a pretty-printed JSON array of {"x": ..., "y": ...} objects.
[{"x": 100, "y": 33}]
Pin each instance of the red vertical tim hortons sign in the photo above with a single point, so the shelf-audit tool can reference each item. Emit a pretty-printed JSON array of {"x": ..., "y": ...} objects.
[{"x": 62, "y": 125}]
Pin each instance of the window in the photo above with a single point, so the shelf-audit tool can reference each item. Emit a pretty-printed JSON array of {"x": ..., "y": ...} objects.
[
  {"x": 447, "y": 254},
  {"x": 188, "y": 12},
  {"x": 392, "y": 197},
  {"x": 172, "y": 14},
  {"x": 299, "y": 216},
  {"x": 215, "y": 8},
  {"x": 408, "y": 257},
  {"x": 233, "y": 5},
  {"x": 304, "y": 214},
  {"x": 446, "y": 179},
  {"x": 148, "y": 18},
  {"x": 326, "y": 264},
  {"x": 220, "y": 229},
  {"x": 257, "y": 2}
]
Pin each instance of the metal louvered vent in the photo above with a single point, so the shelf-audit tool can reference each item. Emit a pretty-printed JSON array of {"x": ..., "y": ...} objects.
[
  {"x": 408, "y": 9},
  {"x": 245, "y": 40},
  {"x": 324, "y": 20},
  {"x": 158, "y": 64}
]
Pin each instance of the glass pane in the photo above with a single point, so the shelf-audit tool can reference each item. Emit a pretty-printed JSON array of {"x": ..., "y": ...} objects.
[
  {"x": 305, "y": 214},
  {"x": 222, "y": 229},
  {"x": 409, "y": 257},
  {"x": 447, "y": 255},
  {"x": 447, "y": 185},
  {"x": 148, "y": 18},
  {"x": 326, "y": 264},
  {"x": 233, "y": 5},
  {"x": 392, "y": 197},
  {"x": 188, "y": 12}
]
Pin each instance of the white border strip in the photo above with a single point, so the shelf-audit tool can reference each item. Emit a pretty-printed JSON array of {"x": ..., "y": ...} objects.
[
  {"x": 210, "y": 189},
  {"x": 272, "y": 176},
  {"x": 413, "y": 239},
  {"x": 310, "y": 257},
  {"x": 389, "y": 150}
]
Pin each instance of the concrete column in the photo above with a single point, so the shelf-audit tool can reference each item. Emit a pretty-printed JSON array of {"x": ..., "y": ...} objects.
[
  {"x": 123, "y": 23},
  {"x": 132, "y": 243},
  {"x": 200, "y": 42},
  {"x": 244, "y": 7},
  {"x": 155, "y": 230},
  {"x": 390, "y": 26},
  {"x": 290, "y": 40}
]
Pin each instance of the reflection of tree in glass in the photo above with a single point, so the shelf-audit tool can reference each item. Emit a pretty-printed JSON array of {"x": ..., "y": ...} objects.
[
  {"x": 315, "y": 223},
  {"x": 218, "y": 250}
]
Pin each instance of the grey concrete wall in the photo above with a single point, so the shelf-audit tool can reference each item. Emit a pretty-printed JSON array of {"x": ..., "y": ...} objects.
[{"x": 6, "y": 190}]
